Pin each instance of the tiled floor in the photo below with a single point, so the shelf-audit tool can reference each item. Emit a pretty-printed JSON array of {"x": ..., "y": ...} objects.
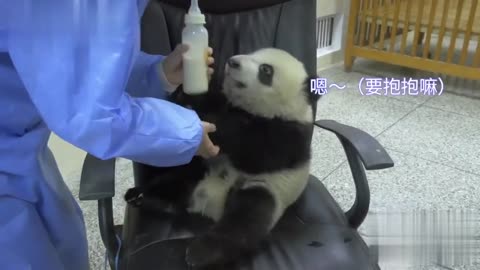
[{"x": 434, "y": 142}]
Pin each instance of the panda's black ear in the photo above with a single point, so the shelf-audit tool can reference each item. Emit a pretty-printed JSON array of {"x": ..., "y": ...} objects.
[{"x": 310, "y": 87}]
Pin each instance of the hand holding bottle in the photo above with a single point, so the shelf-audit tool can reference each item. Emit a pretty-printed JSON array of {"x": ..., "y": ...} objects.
[{"x": 173, "y": 64}]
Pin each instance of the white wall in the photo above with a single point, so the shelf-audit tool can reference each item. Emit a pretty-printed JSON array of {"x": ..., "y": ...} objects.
[{"x": 326, "y": 8}]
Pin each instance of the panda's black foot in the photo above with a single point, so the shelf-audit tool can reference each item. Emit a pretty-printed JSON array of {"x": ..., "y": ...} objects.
[
  {"x": 134, "y": 197},
  {"x": 211, "y": 250}
]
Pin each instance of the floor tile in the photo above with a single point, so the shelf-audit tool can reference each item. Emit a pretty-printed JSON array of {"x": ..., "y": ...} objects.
[
  {"x": 373, "y": 114},
  {"x": 370, "y": 114},
  {"x": 456, "y": 104},
  {"x": 412, "y": 184},
  {"x": 379, "y": 70},
  {"x": 462, "y": 87},
  {"x": 327, "y": 153},
  {"x": 436, "y": 135}
]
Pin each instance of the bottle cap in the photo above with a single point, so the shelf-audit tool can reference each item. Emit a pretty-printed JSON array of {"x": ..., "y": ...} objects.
[{"x": 194, "y": 15}]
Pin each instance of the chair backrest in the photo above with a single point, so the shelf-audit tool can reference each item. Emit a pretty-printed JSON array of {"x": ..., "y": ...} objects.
[{"x": 235, "y": 27}]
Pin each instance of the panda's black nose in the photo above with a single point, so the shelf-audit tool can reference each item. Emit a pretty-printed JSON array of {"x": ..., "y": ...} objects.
[{"x": 233, "y": 63}]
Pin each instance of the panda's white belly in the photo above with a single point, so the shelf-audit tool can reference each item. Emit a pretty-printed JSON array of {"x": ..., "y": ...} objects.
[{"x": 210, "y": 195}]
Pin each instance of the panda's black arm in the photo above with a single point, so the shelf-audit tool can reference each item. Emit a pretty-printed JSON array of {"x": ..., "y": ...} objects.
[
  {"x": 259, "y": 146},
  {"x": 211, "y": 103},
  {"x": 230, "y": 130}
]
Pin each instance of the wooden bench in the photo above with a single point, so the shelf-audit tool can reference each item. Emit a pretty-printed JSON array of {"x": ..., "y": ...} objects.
[{"x": 379, "y": 29}]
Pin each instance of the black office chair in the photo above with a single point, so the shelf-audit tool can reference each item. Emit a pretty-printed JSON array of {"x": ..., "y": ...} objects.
[{"x": 314, "y": 233}]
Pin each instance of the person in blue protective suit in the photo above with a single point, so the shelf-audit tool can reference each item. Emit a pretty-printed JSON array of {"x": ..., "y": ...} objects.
[{"x": 75, "y": 68}]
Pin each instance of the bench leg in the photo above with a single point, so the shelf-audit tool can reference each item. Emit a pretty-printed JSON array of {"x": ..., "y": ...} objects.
[{"x": 349, "y": 60}]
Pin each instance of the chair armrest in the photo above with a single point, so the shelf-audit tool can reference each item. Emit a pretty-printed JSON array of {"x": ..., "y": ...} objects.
[
  {"x": 98, "y": 179},
  {"x": 363, "y": 152},
  {"x": 97, "y": 182},
  {"x": 370, "y": 151}
]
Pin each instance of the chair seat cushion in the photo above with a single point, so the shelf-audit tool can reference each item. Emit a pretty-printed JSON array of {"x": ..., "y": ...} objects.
[{"x": 313, "y": 234}]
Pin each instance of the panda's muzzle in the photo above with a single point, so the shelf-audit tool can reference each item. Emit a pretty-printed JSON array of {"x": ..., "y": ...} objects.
[{"x": 234, "y": 64}]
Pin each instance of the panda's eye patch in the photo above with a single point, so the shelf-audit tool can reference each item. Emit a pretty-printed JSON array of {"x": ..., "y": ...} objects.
[
  {"x": 266, "y": 69},
  {"x": 265, "y": 74}
]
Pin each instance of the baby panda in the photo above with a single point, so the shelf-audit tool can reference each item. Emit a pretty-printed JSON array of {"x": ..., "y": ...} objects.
[{"x": 263, "y": 131}]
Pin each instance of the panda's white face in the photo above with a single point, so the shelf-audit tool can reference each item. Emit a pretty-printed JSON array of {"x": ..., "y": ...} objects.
[{"x": 269, "y": 83}]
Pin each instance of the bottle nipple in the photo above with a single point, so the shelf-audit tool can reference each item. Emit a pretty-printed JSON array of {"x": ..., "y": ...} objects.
[
  {"x": 194, "y": 15},
  {"x": 194, "y": 8}
]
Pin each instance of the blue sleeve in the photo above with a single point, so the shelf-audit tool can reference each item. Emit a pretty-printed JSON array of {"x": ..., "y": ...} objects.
[
  {"x": 77, "y": 59},
  {"x": 147, "y": 78}
]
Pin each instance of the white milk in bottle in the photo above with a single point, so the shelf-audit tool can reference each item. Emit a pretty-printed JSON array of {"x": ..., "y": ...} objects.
[{"x": 195, "y": 77}]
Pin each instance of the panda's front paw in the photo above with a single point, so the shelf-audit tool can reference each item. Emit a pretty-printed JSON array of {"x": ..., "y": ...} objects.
[
  {"x": 134, "y": 197},
  {"x": 209, "y": 250}
]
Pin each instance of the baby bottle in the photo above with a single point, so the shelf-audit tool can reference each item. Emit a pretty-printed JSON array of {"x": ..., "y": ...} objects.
[{"x": 195, "y": 77}]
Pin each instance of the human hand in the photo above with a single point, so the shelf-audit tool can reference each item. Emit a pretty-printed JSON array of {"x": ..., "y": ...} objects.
[
  {"x": 173, "y": 64},
  {"x": 207, "y": 149}
]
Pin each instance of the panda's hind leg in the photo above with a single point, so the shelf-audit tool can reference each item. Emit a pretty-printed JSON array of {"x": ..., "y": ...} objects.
[{"x": 246, "y": 222}]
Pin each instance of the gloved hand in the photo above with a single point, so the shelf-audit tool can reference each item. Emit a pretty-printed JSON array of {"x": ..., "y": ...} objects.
[
  {"x": 173, "y": 68},
  {"x": 207, "y": 149}
]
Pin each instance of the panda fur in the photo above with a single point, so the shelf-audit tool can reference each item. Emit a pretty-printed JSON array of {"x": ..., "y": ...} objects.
[{"x": 263, "y": 131}]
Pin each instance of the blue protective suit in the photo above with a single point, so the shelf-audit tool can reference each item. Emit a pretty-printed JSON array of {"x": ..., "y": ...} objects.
[{"x": 75, "y": 68}]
